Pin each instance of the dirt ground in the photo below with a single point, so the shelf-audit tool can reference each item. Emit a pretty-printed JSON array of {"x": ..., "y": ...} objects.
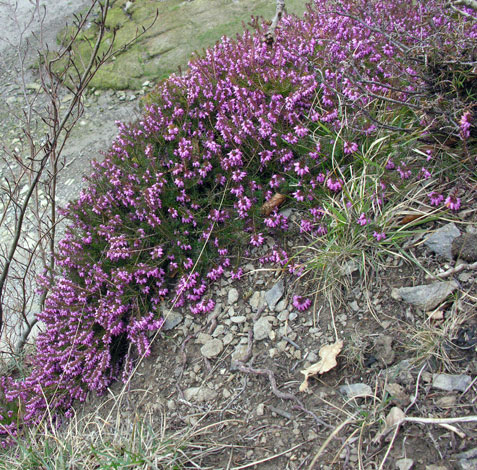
[{"x": 224, "y": 372}]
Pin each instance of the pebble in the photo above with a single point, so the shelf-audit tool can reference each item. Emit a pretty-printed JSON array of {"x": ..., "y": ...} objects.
[
  {"x": 260, "y": 410},
  {"x": 261, "y": 329},
  {"x": 203, "y": 338},
  {"x": 219, "y": 331},
  {"x": 425, "y": 297},
  {"x": 212, "y": 348},
  {"x": 450, "y": 382},
  {"x": 404, "y": 464},
  {"x": 238, "y": 319},
  {"x": 200, "y": 394},
  {"x": 232, "y": 296},
  {"x": 384, "y": 351},
  {"x": 273, "y": 295},
  {"x": 397, "y": 393},
  {"x": 356, "y": 390},
  {"x": 283, "y": 316},
  {"x": 256, "y": 301},
  {"x": 240, "y": 353},
  {"x": 292, "y": 316},
  {"x": 440, "y": 241},
  {"x": 172, "y": 319},
  {"x": 281, "y": 306},
  {"x": 228, "y": 338}
]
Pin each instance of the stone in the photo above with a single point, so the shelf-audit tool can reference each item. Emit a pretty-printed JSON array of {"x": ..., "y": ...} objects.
[
  {"x": 200, "y": 394},
  {"x": 436, "y": 467},
  {"x": 465, "y": 247},
  {"x": 260, "y": 410},
  {"x": 233, "y": 296},
  {"x": 467, "y": 464},
  {"x": 467, "y": 454},
  {"x": 449, "y": 383},
  {"x": 218, "y": 331},
  {"x": 273, "y": 295},
  {"x": 238, "y": 319},
  {"x": 404, "y": 464},
  {"x": 383, "y": 350},
  {"x": 257, "y": 300},
  {"x": 240, "y": 353},
  {"x": 397, "y": 393},
  {"x": 440, "y": 241},
  {"x": 425, "y": 297},
  {"x": 283, "y": 316},
  {"x": 212, "y": 348},
  {"x": 172, "y": 319},
  {"x": 261, "y": 329},
  {"x": 356, "y": 390},
  {"x": 281, "y": 306},
  {"x": 228, "y": 338},
  {"x": 203, "y": 338}
]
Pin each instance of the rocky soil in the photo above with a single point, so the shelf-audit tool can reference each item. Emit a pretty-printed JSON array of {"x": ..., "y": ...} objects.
[
  {"x": 408, "y": 327},
  {"x": 409, "y": 350}
]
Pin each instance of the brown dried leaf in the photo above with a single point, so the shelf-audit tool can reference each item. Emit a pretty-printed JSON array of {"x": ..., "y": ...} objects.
[
  {"x": 276, "y": 201},
  {"x": 411, "y": 218},
  {"x": 328, "y": 354},
  {"x": 436, "y": 315},
  {"x": 394, "y": 418}
]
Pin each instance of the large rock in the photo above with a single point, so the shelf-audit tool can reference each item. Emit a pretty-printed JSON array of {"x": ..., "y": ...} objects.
[
  {"x": 440, "y": 241},
  {"x": 425, "y": 297},
  {"x": 465, "y": 247}
]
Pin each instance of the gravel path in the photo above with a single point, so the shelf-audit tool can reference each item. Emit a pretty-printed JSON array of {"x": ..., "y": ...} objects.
[{"x": 92, "y": 135}]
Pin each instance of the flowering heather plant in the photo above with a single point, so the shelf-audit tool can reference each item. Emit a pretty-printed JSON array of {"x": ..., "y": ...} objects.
[{"x": 160, "y": 218}]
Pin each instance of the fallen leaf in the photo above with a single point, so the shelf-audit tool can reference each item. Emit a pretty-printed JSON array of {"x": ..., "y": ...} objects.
[
  {"x": 435, "y": 315},
  {"x": 411, "y": 218},
  {"x": 276, "y": 201},
  {"x": 394, "y": 418},
  {"x": 328, "y": 355}
]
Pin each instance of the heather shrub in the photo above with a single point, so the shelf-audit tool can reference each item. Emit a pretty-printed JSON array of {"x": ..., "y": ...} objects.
[{"x": 336, "y": 117}]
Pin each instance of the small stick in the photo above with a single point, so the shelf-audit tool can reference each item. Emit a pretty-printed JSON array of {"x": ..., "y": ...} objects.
[{"x": 457, "y": 269}]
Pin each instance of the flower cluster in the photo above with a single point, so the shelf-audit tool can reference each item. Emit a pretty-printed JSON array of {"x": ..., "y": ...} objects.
[{"x": 163, "y": 212}]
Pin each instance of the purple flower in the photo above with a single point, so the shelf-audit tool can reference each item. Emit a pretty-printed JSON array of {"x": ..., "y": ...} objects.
[
  {"x": 379, "y": 236},
  {"x": 465, "y": 125},
  {"x": 350, "y": 147},
  {"x": 362, "y": 220},
  {"x": 301, "y": 303},
  {"x": 435, "y": 198},
  {"x": 452, "y": 202}
]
